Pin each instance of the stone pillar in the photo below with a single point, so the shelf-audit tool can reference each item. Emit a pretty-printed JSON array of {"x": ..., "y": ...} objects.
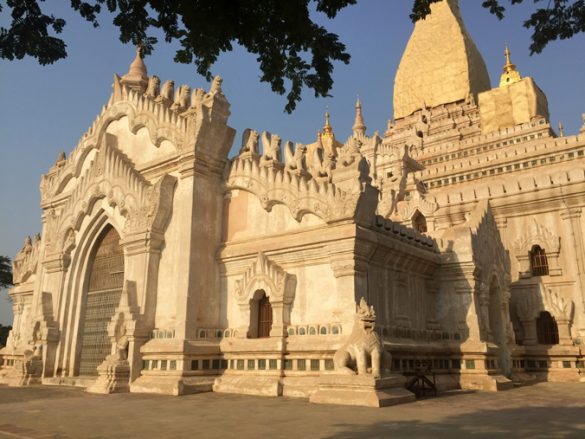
[
  {"x": 278, "y": 322},
  {"x": 529, "y": 326},
  {"x": 564, "y": 325},
  {"x": 483, "y": 296},
  {"x": 574, "y": 217}
]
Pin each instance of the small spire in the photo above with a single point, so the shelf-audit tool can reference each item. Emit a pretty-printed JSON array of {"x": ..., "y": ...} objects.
[
  {"x": 327, "y": 129},
  {"x": 561, "y": 130},
  {"x": 359, "y": 127},
  {"x": 137, "y": 76},
  {"x": 511, "y": 74},
  {"x": 583, "y": 127}
]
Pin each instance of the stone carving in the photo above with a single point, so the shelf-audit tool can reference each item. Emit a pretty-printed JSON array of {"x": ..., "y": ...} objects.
[
  {"x": 363, "y": 347},
  {"x": 168, "y": 89},
  {"x": 61, "y": 158},
  {"x": 114, "y": 372},
  {"x": 537, "y": 235},
  {"x": 182, "y": 98},
  {"x": 322, "y": 165},
  {"x": 350, "y": 152},
  {"x": 559, "y": 306},
  {"x": 249, "y": 142},
  {"x": 25, "y": 262},
  {"x": 299, "y": 194},
  {"x": 271, "y": 152},
  {"x": 153, "y": 88},
  {"x": 295, "y": 161},
  {"x": 216, "y": 86},
  {"x": 267, "y": 275},
  {"x": 197, "y": 97}
]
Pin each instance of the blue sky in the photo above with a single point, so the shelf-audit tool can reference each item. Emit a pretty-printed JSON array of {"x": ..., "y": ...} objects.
[{"x": 45, "y": 109}]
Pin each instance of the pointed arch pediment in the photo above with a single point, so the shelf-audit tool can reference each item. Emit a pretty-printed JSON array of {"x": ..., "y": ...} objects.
[
  {"x": 540, "y": 235},
  {"x": 142, "y": 112},
  {"x": 263, "y": 274},
  {"x": 112, "y": 177}
]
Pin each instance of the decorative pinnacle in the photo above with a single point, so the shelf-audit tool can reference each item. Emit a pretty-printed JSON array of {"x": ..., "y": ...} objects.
[
  {"x": 359, "y": 127},
  {"x": 137, "y": 76},
  {"x": 561, "y": 130},
  {"x": 327, "y": 129},
  {"x": 511, "y": 74}
]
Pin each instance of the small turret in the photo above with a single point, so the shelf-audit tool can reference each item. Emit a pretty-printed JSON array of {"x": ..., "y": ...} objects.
[
  {"x": 511, "y": 74},
  {"x": 359, "y": 127}
]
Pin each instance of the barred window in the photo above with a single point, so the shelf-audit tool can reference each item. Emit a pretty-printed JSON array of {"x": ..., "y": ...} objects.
[{"x": 538, "y": 261}]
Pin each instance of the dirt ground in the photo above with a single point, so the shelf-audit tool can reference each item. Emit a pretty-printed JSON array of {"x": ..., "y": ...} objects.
[{"x": 547, "y": 410}]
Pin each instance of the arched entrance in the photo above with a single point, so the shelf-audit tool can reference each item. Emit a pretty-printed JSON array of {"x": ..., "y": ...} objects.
[{"x": 104, "y": 288}]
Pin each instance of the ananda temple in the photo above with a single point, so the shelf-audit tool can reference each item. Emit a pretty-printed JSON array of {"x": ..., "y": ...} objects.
[{"x": 446, "y": 249}]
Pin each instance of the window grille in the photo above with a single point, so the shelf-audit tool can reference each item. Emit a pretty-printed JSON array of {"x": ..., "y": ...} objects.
[{"x": 538, "y": 261}]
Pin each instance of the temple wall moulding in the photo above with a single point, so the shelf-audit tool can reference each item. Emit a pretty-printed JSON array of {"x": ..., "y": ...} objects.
[{"x": 279, "y": 287}]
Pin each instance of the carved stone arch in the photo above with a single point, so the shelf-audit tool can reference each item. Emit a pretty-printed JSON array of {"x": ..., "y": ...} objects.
[
  {"x": 160, "y": 126},
  {"x": 278, "y": 286},
  {"x": 301, "y": 195},
  {"x": 298, "y": 204}
]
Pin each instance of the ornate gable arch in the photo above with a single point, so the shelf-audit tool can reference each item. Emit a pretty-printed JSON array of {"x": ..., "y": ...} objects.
[
  {"x": 278, "y": 285},
  {"x": 141, "y": 111},
  {"x": 111, "y": 176}
]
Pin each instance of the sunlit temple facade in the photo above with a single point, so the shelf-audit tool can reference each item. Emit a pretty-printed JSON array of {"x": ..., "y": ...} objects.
[{"x": 166, "y": 266}]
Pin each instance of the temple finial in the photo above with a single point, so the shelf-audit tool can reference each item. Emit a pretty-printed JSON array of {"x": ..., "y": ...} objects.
[
  {"x": 137, "y": 76},
  {"x": 511, "y": 74},
  {"x": 327, "y": 129},
  {"x": 359, "y": 127}
]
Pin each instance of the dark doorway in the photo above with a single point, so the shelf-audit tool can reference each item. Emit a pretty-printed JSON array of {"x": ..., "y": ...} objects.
[
  {"x": 547, "y": 329},
  {"x": 264, "y": 317}
]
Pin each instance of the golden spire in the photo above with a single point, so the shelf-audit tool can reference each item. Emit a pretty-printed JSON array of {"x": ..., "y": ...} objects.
[
  {"x": 327, "y": 129},
  {"x": 511, "y": 74},
  {"x": 359, "y": 127},
  {"x": 561, "y": 130}
]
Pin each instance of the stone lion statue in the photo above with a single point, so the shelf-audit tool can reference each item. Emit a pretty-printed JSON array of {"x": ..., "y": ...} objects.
[
  {"x": 249, "y": 142},
  {"x": 363, "y": 353}
]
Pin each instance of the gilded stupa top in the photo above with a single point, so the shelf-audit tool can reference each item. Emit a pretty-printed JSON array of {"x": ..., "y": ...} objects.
[
  {"x": 441, "y": 63},
  {"x": 327, "y": 129},
  {"x": 511, "y": 74}
]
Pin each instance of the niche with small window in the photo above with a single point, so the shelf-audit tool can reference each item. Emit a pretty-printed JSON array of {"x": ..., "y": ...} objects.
[{"x": 419, "y": 222}]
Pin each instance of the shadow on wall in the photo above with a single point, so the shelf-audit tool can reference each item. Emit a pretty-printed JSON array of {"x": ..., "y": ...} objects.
[
  {"x": 6, "y": 316},
  {"x": 535, "y": 422}
]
